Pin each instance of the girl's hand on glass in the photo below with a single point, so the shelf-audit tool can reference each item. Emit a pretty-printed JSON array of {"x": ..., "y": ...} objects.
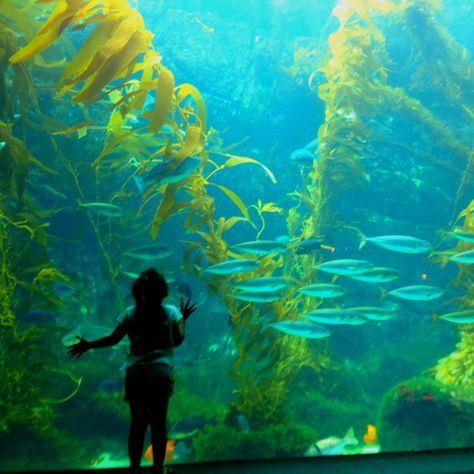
[
  {"x": 187, "y": 308},
  {"x": 76, "y": 350}
]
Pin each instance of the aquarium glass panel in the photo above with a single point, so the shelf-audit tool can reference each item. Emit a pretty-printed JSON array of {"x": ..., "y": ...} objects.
[{"x": 302, "y": 171}]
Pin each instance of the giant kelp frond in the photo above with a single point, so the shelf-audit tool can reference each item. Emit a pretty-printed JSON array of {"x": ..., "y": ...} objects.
[{"x": 458, "y": 367}]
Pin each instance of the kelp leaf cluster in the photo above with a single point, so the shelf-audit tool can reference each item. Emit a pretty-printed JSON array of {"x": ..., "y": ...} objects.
[{"x": 458, "y": 367}]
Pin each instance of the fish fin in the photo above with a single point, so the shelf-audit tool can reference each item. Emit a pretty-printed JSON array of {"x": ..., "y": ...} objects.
[
  {"x": 349, "y": 437},
  {"x": 435, "y": 318},
  {"x": 383, "y": 293},
  {"x": 363, "y": 240}
]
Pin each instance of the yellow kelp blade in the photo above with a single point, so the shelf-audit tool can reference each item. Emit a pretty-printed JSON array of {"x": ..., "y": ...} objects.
[
  {"x": 191, "y": 145},
  {"x": 184, "y": 90},
  {"x": 150, "y": 60},
  {"x": 165, "y": 210},
  {"x": 94, "y": 43},
  {"x": 163, "y": 101},
  {"x": 235, "y": 199},
  {"x": 65, "y": 14},
  {"x": 235, "y": 160},
  {"x": 120, "y": 30},
  {"x": 117, "y": 63}
]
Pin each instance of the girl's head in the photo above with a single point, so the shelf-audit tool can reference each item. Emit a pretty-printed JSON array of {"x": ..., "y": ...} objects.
[{"x": 150, "y": 287}]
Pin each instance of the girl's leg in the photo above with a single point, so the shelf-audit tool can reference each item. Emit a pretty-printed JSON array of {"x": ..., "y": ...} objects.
[
  {"x": 136, "y": 438},
  {"x": 158, "y": 412}
]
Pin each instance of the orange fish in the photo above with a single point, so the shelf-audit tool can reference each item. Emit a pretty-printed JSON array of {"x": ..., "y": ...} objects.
[
  {"x": 170, "y": 445},
  {"x": 371, "y": 436},
  {"x": 327, "y": 247}
]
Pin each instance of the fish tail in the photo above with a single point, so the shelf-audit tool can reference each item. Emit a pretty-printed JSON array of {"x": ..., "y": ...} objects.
[
  {"x": 363, "y": 240},
  {"x": 360, "y": 235}
]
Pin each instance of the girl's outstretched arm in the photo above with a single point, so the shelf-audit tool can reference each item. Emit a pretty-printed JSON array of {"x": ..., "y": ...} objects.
[{"x": 76, "y": 350}]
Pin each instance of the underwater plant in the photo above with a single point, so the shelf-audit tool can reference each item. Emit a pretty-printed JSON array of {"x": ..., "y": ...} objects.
[
  {"x": 358, "y": 93},
  {"x": 422, "y": 413},
  {"x": 457, "y": 368}
]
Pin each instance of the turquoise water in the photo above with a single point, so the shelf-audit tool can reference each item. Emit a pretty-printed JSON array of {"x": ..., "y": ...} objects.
[{"x": 327, "y": 124}]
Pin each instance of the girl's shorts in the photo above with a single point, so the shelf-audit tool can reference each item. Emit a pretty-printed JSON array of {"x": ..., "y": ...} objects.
[{"x": 148, "y": 382}]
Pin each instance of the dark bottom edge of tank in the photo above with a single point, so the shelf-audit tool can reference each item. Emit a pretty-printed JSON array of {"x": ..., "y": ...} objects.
[{"x": 452, "y": 461}]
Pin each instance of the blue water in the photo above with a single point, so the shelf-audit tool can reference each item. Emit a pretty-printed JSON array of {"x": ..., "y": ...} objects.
[{"x": 257, "y": 65}]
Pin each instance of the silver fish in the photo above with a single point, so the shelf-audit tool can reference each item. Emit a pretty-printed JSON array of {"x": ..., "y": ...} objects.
[
  {"x": 377, "y": 275},
  {"x": 104, "y": 209},
  {"x": 398, "y": 243},
  {"x": 376, "y": 313},
  {"x": 261, "y": 284},
  {"x": 332, "y": 446},
  {"x": 238, "y": 265},
  {"x": 345, "y": 266},
  {"x": 466, "y": 257},
  {"x": 149, "y": 252},
  {"x": 336, "y": 316},
  {"x": 460, "y": 317},
  {"x": 301, "y": 329},
  {"x": 322, "y": 290},
  {"x": 260, "y": 247},
  {"x": 417, "y": 292},
  {"x": 464, "y": 235},
  {"x": 253, "y": 297}
]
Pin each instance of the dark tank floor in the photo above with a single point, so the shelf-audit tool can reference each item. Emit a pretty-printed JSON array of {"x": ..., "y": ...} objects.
[{"x": 452, "y": 461}]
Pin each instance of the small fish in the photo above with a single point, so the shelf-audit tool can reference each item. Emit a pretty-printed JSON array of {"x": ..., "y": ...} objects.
[
  {"x": 166, "y": 173},
  {"x": 398, "y": 243},
  {"x": 283, "y": 239},
  {"x": 377, "y": 275},
  {"x": 463, "y": 235},
  {"x": 333, "y": 445},
  {"x": 322, "y": 290},
  {"x": 38, "y": 316},
  {"x": 111, "y": 385},
  {"x": 307, "y": 155},
  {"x": 2, "y": 145},
  {"x": 460, "y": 317},
  {"x": 417, "y": 292},
  {"x": 466, "y": 257},
  {"x": 64, "y": 290},
  {"x": 133, "y": 275},
  {"x": 149, "y": 252},
  {"x": 169, "y": 453},
  {"x": 371, "y": 436},
  {"x": 104, "y": 209},
  {"x": 308, "y": 246},
  {"x": 375, "y": 313},
  {"x": 190, "y": 426},
  {"x": 336, "y": 316},
  {"x": 238, "y": 265},
  {"x": 260, "y": 247},
  {"x": 207, "y": 28},
  {"x": 301, "y": 329},
  {"x": 304, "y": 157},
  {"x": 345, "y": 266},
  {"x": 253, "y": 297},
  {"x": 264, "y": 284}
]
